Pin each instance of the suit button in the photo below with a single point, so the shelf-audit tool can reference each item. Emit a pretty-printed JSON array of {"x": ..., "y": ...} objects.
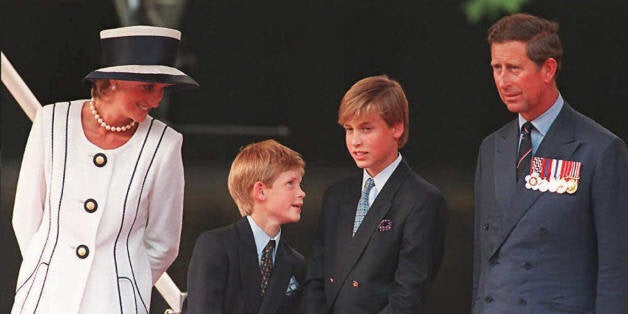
[
  {"x": 522, "y": 301},
  {"x": 485, "y": 227},
  {"x": 355, "y": 284},
  {"x": 82, "y": 251},
  {"x": 493, "y": 262},
  {"x": 527, "y": 265},
  {"x": 542, "y": 231},
  {"x": 331, "y": 279},
  {"x": 100, "y": 160},
  {"x": 488, "y": 299},
  {"x": 90, "y": 205}
]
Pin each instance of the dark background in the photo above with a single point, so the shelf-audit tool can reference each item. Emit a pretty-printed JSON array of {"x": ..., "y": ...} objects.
[{"x": 288, "y": 63}]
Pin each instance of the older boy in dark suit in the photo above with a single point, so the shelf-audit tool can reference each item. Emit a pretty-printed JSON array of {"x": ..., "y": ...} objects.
[
  {"x": 378, "y": 248},
  {"x": 247, "y": 267}
]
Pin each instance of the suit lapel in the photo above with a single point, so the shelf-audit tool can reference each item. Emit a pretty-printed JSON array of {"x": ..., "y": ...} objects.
[
  {"x": 279, "y": 280},
  {"x": 558, "y": 143},
  {"x": 346, "y": 215},
  {"x": 380, "y": 206},
  {"x": 505, "y": 163},
  {"x": 356, "y": 245},
  {"x": 249, "y": 267}
]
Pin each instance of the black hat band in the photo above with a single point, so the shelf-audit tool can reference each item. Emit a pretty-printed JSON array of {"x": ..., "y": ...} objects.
[{"x": 141, "y": 50}]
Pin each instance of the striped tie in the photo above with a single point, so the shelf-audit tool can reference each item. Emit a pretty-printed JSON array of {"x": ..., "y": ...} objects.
[
  {"x": 525, "y": 150},
  {"x": 363, "y": 204}
]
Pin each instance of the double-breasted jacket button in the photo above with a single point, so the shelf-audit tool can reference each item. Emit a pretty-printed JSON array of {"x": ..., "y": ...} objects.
[
  {"x": 82, "y": 251},
  {"x": 100, "y": 160},
  {"x": 355, "y": 284},
  {"x": 526, "y": 265},
  {"x": 485, "y": 227},
  {"x": 90, "y": 205},
  {"x": 488, "y": 299},
  {"x": 523, "y": 301},
  {"x": 331, "y": 279},
  {"x": 493, "y": 262},
  {"x": 542, "y": 231}
]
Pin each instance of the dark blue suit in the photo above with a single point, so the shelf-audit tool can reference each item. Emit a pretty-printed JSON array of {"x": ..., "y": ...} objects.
[
  {"x": 543, "y": 252},
  {"x": 224, "y": 277},
  {"x": 389, "y": 265}
]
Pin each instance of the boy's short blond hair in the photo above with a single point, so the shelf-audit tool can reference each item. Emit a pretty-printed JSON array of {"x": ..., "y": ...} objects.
[
  {"x": 380, "y": 95},
  {"x": 264, "y": 162}
]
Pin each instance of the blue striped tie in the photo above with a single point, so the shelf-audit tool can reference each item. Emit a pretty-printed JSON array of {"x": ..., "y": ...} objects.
[{"x": 363, "y": 204}]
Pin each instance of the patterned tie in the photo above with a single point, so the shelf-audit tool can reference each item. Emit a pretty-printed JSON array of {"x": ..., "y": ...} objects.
[
  {"x": 266, "y": 266},
  {"x": 363, "y": 204},
  {"x": 525, "y": 150}
]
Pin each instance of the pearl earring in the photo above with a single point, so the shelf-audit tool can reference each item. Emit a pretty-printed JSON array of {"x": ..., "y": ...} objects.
[{"x": 113, "y": 87}]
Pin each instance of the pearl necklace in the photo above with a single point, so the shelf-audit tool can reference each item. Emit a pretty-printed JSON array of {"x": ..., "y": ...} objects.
[{"x": 104, "y": 124}]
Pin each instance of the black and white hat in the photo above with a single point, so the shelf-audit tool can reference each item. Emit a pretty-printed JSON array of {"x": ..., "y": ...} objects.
[{"x": 141, "y": 53}]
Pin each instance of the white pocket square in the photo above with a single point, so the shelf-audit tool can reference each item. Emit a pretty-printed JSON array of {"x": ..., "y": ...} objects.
[{"x": 293, "y": 286}]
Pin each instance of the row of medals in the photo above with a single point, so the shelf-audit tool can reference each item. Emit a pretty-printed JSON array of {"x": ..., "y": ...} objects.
[{"x": 555, "y": 185}]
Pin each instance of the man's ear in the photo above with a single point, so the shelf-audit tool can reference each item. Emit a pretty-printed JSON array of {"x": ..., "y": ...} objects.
[
  {"x": 398, "y": 130},
  {"x": 549, "y": 67},
  {"x": 258, "y": 191}
]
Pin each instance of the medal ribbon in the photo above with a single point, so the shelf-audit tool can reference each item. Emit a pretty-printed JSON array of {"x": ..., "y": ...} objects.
[
  {"x": 536, "y": 165},
  {"x": 563, "y": 169},
  {"x": 557, "y": 169},
  {"x": 577, "y": 170},
  {"x": 546, "y": 169}
]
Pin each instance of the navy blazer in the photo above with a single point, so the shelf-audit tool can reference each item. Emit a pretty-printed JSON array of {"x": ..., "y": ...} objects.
[
  {"x": 396, "y": 252},
  {"x": 544, "y": 252},
  {"x": 224, "y": 277}
]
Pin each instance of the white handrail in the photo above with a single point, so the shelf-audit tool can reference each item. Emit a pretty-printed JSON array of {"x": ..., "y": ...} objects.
[
  {"x": 18, "y": 88},
  {"x": 29, "y": 103},
  {"x": 171, "y": 293}
]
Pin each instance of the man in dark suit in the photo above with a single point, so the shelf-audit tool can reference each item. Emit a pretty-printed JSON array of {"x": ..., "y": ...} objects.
[
  {"x": 377, "y": 248},
  {"x": 551, "y": 190},
  {"x": 247, "y": 267}
]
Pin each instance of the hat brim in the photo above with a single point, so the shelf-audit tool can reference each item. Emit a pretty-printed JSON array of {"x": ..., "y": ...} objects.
[{"x": 145, "y": 73}]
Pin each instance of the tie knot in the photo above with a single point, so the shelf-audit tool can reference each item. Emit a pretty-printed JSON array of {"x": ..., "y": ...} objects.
[
  {"x": 368, "y": 185},
  {"x": 526, "y": 128},
  {"x": 270, "y": 246}
]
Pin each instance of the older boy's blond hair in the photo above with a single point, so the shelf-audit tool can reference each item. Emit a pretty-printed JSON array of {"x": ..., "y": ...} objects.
[
  {"x": 264, "y": 162},
  {"x": 379, "y": 95}
]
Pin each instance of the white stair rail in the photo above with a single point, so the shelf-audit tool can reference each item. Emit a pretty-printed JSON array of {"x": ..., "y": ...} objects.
[
  {"x": 29, "y": 103},
  {"x": 18, "y": 88}
]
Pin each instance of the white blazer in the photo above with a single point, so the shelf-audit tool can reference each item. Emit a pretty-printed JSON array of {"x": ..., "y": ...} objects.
[{"x": 96, "y": 227}]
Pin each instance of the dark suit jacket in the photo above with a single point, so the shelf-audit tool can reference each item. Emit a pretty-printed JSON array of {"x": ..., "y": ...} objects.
[
  {"x": 543, "y": 252},
  {"x": 378, "y": 270},
  {"x": 224, "y": 277}
]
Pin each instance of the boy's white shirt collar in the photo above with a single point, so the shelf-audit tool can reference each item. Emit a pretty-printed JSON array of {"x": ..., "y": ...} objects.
[
  {"x": 262, "y": 238},
  {"x": 381, "y": 178}
]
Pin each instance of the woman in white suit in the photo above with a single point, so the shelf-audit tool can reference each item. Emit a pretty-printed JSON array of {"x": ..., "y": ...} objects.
[{"x": 99, "y": 199}]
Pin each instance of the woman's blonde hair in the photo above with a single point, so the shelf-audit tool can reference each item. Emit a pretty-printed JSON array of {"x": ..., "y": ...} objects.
[{"x": 100, "y": 87}]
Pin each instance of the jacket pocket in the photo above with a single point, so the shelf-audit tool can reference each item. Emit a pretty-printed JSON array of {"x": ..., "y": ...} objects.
[
  {"x": 565, "y": 308},
  {"x": 129, "y": 298},
  {"x": 28, "y": 293}
]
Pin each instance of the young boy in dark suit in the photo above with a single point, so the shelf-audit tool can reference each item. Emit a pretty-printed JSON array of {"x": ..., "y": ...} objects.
[
  {"x": 248, "y": 267},
  {"x": 377, "y": 248}
]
